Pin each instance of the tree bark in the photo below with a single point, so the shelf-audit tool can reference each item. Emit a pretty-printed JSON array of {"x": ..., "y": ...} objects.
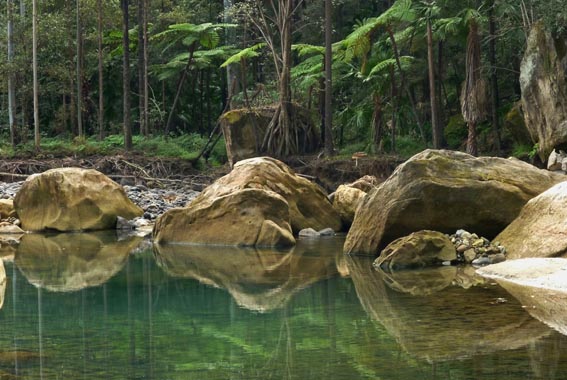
[
  {"x": 126, "y": 77},
  {"x": 35, "y": 79},
  {"x": 180, "y": 83},
  {"x": 100, "y": 73},
  {"x": 328, "y": 78},
  {"x": 142, "y": 67},
  {"x": 79, "y": 58},
  {"x": 11, "y": 79},
  {"x": 472, "y": 146},
  {"x": 493, "y": 78},
  {"x": 437, "y": 133},
  {"x": 377, "y": 121}
]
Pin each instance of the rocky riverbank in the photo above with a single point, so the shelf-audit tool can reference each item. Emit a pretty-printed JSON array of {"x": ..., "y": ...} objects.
[{"x": 154, "y": 201}]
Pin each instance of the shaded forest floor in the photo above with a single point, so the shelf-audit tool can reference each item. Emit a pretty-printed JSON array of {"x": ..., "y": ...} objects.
[{"x": 163, "y": 172}]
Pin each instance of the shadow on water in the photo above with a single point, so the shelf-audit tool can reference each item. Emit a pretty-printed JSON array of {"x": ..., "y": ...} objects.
[{"x": 258, "y": 279}]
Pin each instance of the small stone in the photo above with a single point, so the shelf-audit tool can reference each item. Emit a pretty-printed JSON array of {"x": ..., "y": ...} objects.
[
  {"x": 124, "y": 224},
  {"x": 309, "y": 232},
  {"x": 327, "y": 232},
  {"x": 9, "y": 228},
  {"x": 478, "y": 243},
  {"x": 462, "y": 248},
  {"x": 469, "y": 255},
  {"x": 483, "y": 260},
  {"x": 498, "y": 258}
]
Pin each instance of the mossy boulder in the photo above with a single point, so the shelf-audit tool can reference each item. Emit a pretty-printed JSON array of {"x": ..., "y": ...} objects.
[
  {"x": 72, "y": 199},
  {"x": 544, "y": 90},
  {"x": 244, "y": 131},
  {"x": 444, "y": 191}
]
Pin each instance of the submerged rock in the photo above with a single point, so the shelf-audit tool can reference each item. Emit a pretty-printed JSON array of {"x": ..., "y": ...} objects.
[
  {"x": 444, "y": 191},
  {"x": 72, "y": 199}
]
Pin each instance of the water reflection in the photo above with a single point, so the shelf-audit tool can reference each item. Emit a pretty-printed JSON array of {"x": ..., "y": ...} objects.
[
  {"x": 257, "y": 279},
  {"x": 2, "y": 283},
  {"x": 70, "y": 262},
  {"x": 444, "y": 322}
]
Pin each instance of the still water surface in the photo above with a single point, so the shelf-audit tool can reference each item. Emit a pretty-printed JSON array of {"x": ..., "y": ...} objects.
[{"x": 83, "y": 306}]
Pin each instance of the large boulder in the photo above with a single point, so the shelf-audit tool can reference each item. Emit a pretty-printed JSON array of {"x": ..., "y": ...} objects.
[
  {"x": 7, "y": 208},
  {"x": 539, "y": 230},
  {"x": 2, "y": 283},
  {"x": 544, "y": 90},
  {"x": 246, "y": 217},
  {"x": 72, "y": 199},
  {"x": 308, "y": 203},
  {"x": 244, "y": 131},
  {"x": 420, "y": 249},
  {"x": 444, "y": 191}
]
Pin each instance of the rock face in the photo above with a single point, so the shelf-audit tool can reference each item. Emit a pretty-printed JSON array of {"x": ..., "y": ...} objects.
[
  {"x": 248, "y": 217},
  {"x": 420, "y": 249},
  {"x": 445, "y": 191},
  {"x": 72, "y": 199},
  {"x": 544, "y": 90},
  {"x": 244, "y": 131},
  {"x": 539, "y": 230},
  {"x": 2, "y": 283}
]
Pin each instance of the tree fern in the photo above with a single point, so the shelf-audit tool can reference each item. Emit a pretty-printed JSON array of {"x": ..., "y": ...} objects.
[{"x": 244, "y": 54}]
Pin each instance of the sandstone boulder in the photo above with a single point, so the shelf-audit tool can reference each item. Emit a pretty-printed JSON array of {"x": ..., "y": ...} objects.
[
  {"x": 420, "y": 249},
  {"x": 444, "y": 191},
  {"x": 539, "y": 230},
  {"x": 7, "y": 208},
  {"x": 2, "y": 283},
  {"x": 72, "y": 199},
  {"x": 544, "y": 89},
  {"x": 346, "y": 197},
  {"x": 245, "y": 217},
  {"x": 308, "y": 203}
]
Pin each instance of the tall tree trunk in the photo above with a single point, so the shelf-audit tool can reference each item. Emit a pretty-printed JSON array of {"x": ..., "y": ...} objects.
[
  {"x": 100, "y": 73},
  {"x": 126, "y": 76},
  {"x": 146, "y": 78},
  {"x": 377, "y": 121},
  {"x": 79, "y": 57},
  {"x": 11, "y": 79},
  {"x": 402, "y": 83},
  {"x": 471, "y": 139},
  {"x": 231, "y": 70},
  {"x": 493, "y": 78},
  {"x": 437, "y": 133},
  {"x": 35, "y": 79},
  {"x": 328, "y": 78},
  {"x": 180, "y": 83},
  {"x": 141, "y": 67}
]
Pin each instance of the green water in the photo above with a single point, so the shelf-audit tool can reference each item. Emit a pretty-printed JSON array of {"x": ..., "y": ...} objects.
[{"x": 82, "y": 307}]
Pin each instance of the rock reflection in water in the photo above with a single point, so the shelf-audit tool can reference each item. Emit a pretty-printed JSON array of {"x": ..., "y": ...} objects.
[
  {"x": 257, "y": 279},
  {"x": 444, "y": 322},
  {"x": 2, "y": 283},
  {"x": 540, "y": 284},
  {"x": 68, "y": 262}
]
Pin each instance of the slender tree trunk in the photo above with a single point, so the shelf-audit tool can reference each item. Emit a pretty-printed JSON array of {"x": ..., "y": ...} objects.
[
  {"x": 493, "y": 78},
  {"x": 395, "y": 101},
  {"x": 35, "y": 79},
  {"x": 100, "y": 73},
  {"x": 141, "y": 68},
  {"x": 437, "y": 133},
  {"x": 146, "y": 78},
  {"x": 180, "y": 83},
  {"x": 79, "y": 57},
  {"x": 231, "y": 70},
  {"x": 471, "y": 139},
  {"x": 126, "y": 77},
  {"x": 377, "y": 121},
  {"x": 11, "y": 79},
  {"x": 328, "y": 78},
  {"x": 402, "y": 81}
]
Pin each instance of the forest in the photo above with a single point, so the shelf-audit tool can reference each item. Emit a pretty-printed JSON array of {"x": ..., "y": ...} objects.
[{"x": 374, "y": 76}]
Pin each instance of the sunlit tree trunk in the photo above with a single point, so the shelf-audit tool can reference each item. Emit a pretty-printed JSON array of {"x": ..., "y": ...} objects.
[
  {"x": 435, "y": 127},
  {"x": 35, "y": 79},
  {"x": 100, "y": 73},
  {"x": 142, "y": 66},
  {"x": 328, "y": 78},
  {"x": 127, "y": 127},
  {"x": 493, "y": 77},
  {"x": 11, "y": 79},
  {"x": 79, "y": 58}
]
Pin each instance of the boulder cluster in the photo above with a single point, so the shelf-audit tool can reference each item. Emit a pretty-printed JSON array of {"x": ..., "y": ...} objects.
[{"x": 472, "y": 249}]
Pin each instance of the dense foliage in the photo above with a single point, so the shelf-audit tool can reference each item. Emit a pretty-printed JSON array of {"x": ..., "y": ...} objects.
[{"x": 386, "y": 55}]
